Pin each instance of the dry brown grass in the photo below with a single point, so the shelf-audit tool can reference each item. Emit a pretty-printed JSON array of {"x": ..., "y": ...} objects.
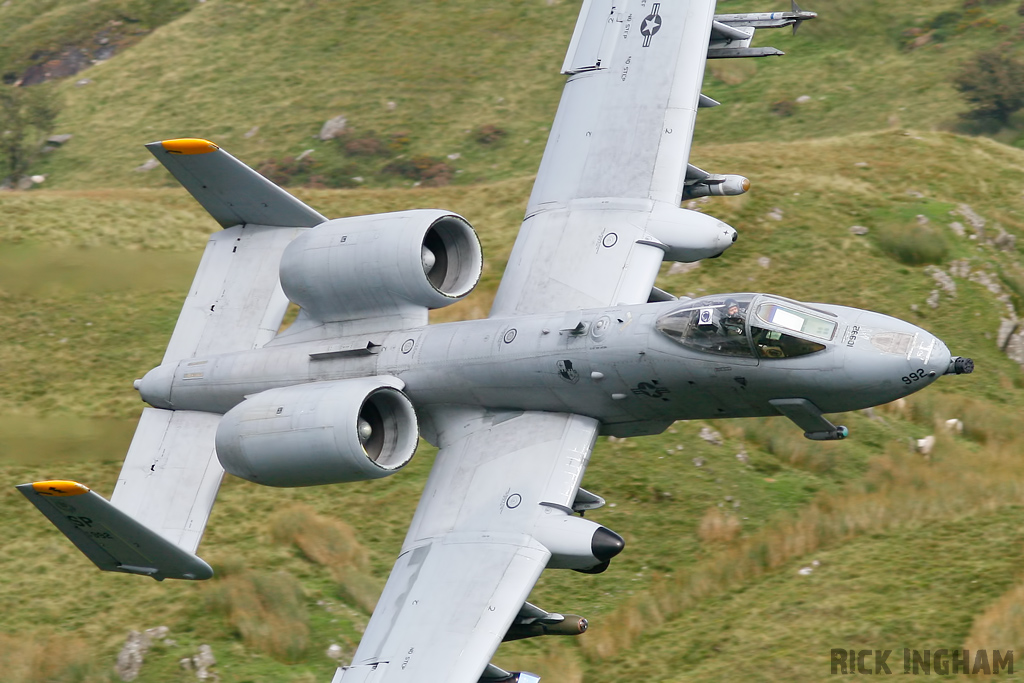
[
  {"x": 1001, "y": 625},
  {"x": 332, "y": 544},
  {"x": 558, "y": 661},
  {"x": 900, "y": 488},
  {"x": 28, "y": 659},
  {"x": 325, "y": 541},
  {"x": 717, "y": 526},
  {"x": 267, "y": 610},
  {"x": 789, "y": 446}
]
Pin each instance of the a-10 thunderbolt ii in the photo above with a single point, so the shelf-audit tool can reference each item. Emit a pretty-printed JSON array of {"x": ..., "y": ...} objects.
[{"x": 579, "y": 343}]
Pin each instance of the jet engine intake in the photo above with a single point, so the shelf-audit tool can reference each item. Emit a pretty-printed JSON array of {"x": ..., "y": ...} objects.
[
  {"x": 382, "y": 264},
  {"x": 320, "y": 433},
  {"x": 577, "y": 543}
]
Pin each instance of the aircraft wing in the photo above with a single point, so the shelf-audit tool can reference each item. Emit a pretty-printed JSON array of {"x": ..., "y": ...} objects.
[
  {"x": 606, "y": 200},
  {"x": 170, "y": 476},
  {"x": 474, "y": 550}
]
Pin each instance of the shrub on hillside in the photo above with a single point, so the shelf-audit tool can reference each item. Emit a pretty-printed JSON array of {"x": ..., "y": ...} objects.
[
  {"x": 913, "y": 245},
  {"x": 267, "y": 610},
  {"x": 427, "y": 170},
  {"x": 489, "y": 134},
  {"x": 1001, "y": 625},
  {"x": 992, "y": 82},
  {"x": 27, "y": 117},
  {"x": 287, "y": 171},
  {"x": 717, "y": 526},
  {"x": 783, "y": 108}
]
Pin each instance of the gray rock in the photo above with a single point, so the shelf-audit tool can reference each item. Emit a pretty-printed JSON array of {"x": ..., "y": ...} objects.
[
  {"x": 332, "y": 128},
  {"x": 764, "y": 262},
  {"x": 59, "y": 140},
  {"x": 1006, "y": 330},
  {"x": 803, "y": 99},
  {"x": 683, "y": 268},
  {"x": 305, "y": 153},
  {"x": 922, "y": 219},
  {"x": 200, "y": 663},
  {"x": 976, "y": 222},
  {"x": 942, "y": 279},
  {"x": 775, "y": 214},
  {"x": 711, "y": 436},
  {"x": 958, "y": 228},
  {"x": 960, "y": 268},
  {"x": 83, "y": 81},
  {"x": 136, "y": 645},
  {"x": 699, "y": 462},
  {"x": 1015, "y": 348},
  {"x": 335, "y": 652},
  {"x": 933, "y": 299},
  {"x": 256, "y": 129},
  {"x": 149, "y": 165},
  {"x": 743, "y": 457},
  {"x": 858, "y": 230},
  {"x": 1004, "y": 241}
]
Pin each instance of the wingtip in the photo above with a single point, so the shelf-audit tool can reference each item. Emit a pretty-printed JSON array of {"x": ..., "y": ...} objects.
[
  {"x": 186, "y": 146},
  {"x": 59, "y": 487}
]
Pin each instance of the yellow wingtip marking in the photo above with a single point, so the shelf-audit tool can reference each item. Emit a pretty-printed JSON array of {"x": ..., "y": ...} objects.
[
  {"x": 189, "y": 146},
  {"x": 59, "y": 487}
]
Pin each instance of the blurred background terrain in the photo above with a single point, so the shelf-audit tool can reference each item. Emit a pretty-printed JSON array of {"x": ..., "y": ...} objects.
[{"x": 885, "y": 156}]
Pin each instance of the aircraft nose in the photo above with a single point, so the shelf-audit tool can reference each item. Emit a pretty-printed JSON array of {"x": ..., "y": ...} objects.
[
  {"x": 930, "y": 358},
  {"x": 894, "y": 356}
]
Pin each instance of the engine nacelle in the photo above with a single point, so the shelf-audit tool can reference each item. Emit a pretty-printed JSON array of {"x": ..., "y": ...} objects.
[
  {"x": 689, "y": 235},
  {"x": 717, "y": 185},
  {"x": 577, "y": 543},
  {"x": 382, "y": 264},
  {"x": 320, "y": 433}
]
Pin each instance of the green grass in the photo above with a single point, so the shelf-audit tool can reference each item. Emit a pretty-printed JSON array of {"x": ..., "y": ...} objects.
[
  {"x": 72, "y": 257},
  {"x": 451, "y": 67},
  {"x": 117, "y": 248}
]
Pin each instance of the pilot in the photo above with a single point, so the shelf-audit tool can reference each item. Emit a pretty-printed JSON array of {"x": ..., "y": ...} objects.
[{"x": 732, "y": 322}]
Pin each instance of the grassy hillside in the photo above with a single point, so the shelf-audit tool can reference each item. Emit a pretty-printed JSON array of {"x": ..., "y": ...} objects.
[
  {"x": 71, "y": 258},
  {"x": 261, "y": 78},
  {"x": 910, "y": 551}
]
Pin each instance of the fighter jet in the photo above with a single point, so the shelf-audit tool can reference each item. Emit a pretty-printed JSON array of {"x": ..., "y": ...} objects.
[{"x": 579, "y": 343}]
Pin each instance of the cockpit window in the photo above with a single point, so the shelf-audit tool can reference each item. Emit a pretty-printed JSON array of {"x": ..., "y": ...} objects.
[
  {"x": 775, "y": 344},
  {"x": 790, "y": 318},
  {"x": 711, "y": 325}
]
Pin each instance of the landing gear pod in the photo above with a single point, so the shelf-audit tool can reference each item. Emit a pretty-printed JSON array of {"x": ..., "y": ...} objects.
[
  {"x": 577, "y": 543},
  {"x": 321, "y": 433}
]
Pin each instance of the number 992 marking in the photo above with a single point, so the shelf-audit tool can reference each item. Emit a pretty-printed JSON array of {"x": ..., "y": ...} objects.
[{"x": 914, "y": 376}]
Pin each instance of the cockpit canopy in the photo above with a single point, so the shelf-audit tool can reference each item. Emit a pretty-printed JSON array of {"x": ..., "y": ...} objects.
[{"x": 747, "y": 325}]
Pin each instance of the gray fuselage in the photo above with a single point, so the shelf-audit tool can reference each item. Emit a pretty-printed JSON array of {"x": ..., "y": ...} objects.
[{"x": 612, "y": 364}]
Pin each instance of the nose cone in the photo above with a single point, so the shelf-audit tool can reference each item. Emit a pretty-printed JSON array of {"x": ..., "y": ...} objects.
[
  {"x": 727, "y": 237},
  {"x": 155, "y": 387},
  {"x": 893, "y": 357},
  {"x": 606, "y": 544}
]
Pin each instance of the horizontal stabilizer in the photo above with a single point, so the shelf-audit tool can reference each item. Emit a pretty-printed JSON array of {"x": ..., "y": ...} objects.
[
  {"x": 232, "y": 192},
  {"x": 114, "y": 541}
]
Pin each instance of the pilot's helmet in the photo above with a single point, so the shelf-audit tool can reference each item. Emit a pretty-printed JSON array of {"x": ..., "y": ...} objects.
[{"x": 732, "y": 307}]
